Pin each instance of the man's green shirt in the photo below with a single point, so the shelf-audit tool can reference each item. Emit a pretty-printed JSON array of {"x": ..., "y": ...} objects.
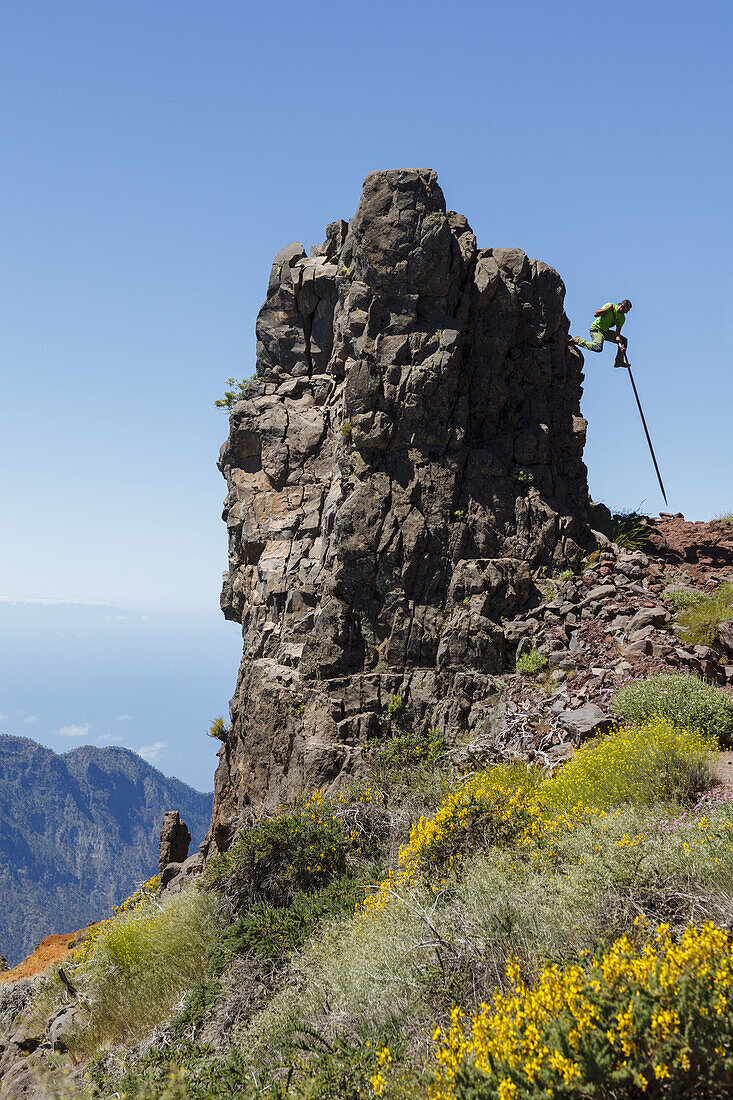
[{"x": 611, "y": 316}]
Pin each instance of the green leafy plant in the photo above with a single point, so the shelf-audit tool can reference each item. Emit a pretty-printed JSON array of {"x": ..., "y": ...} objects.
[
  {"x": 682, "y": 598},
  {"x": 237, "y": 392},
  {"x": 219, "y": 729},
  {"x": 680, "y": 698},
  {"x": 459, "y": 513},
  {"x": 404, "y": 750},
  {"x": 272, "y": 932},
  {"x": 700, "y": 621},
  {"x": 531, "y": 663},
  {"x": 396, "y": 704},
  {"x": 345, "y": 430}
]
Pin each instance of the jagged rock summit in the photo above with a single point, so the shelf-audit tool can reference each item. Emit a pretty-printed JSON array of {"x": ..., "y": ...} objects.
[{"x": 409, "y": 451}]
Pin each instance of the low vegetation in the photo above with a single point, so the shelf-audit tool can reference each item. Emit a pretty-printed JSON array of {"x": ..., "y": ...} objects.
[
  {"x": 629, "y": 530},
  {"x": 139, "y": 964},
  {"x": 531, "y": 663},
  {"x": 699, "y": 619},
  {"x": 682, "y": 698},
  {"x": 504, "y": 933}
]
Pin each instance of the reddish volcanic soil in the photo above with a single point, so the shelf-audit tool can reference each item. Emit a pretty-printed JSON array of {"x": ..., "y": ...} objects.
[{"x": 50, "y": 950}]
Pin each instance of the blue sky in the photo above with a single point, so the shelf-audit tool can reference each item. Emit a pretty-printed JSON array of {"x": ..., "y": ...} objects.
[{"x": 157, "y": 155}]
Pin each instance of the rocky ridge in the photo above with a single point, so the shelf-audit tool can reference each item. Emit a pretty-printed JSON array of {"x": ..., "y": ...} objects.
[{"x": 409, "y": 452}]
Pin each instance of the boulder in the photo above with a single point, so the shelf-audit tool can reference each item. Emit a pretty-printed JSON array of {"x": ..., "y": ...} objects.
[
  {"x": 648, "y": 616},
  {"x": 725, "y": 636},
  {"x": 641, "y": 648},
  {"x": 584, "y": 722}
]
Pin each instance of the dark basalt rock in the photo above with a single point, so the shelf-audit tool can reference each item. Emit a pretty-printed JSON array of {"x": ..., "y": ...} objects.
[
  {"x": 174, "y": 840},
  {"x": 410, "y": 450}
]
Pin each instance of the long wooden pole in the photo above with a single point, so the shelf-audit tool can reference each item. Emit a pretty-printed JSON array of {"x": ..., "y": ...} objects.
[{"x": 646, "y": 430}]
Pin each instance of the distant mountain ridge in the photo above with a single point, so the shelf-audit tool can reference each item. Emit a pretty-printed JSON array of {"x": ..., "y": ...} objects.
[{"x": 77, "y": 832}]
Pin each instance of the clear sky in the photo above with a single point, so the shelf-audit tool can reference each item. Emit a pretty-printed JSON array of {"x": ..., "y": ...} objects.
[{"x": 157, "y": 154}]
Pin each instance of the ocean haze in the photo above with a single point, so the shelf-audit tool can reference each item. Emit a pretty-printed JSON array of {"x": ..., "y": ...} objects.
[{"x": 77, "y": 673}]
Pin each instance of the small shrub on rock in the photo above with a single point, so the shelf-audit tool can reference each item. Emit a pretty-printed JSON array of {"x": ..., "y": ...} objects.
[
  {"x": 682, "y": 699},
  {"x": 531, "y": 663},
  {"x": 405, "y": 750}
]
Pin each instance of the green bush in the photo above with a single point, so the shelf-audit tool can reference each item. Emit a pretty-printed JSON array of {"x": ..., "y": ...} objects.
[
  {"x": 297, "y": 852},
  {"x": 682, "y": 698},
  {"x": 531, "y": 663},
  {"x": 272, "y": 932},
  {"x": 700, "y": 620},
  {"x": 403, "y": 751},
  {"x": 237, "y": 393}
]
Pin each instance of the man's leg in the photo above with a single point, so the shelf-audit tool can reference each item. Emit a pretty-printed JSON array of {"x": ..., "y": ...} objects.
[
  {"x": 596, "y": 338},
  {"x": 619, "y": 361}
]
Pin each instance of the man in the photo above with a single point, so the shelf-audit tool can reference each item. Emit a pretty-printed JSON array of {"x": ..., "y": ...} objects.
[{"x": 608, "y": 318}]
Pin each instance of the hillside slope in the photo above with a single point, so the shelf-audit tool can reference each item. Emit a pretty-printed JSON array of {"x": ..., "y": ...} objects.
[{"x": 77, "y": 832}]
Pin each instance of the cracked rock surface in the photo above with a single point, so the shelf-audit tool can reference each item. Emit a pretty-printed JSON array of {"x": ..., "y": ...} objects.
[{"x": 409, "y": 451}]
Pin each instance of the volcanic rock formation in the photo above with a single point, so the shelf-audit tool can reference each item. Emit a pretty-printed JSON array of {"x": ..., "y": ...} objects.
[{"x": 409, "y": 451}]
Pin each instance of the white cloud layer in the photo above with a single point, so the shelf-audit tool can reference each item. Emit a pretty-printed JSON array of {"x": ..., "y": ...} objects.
[
  {"x": 47, "y": 602},
  {"x": 73, "y": 731},
  {"x": 151, "y": 753}
]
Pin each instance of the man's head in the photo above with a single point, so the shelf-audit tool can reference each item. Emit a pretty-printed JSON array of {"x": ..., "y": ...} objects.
[{"x": 624, "y": 306}]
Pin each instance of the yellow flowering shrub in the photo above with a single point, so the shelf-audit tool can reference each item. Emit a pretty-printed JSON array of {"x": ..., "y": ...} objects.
[
  {"x": 639, "y": 763},
  {"x": 642, "y": 1018},
  {"x": 144, "y": 895},
  {"x": 509, "y": 805}
]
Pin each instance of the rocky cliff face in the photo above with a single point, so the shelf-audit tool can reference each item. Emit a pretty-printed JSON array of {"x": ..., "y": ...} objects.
[{"x": 408, "y": 453}]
